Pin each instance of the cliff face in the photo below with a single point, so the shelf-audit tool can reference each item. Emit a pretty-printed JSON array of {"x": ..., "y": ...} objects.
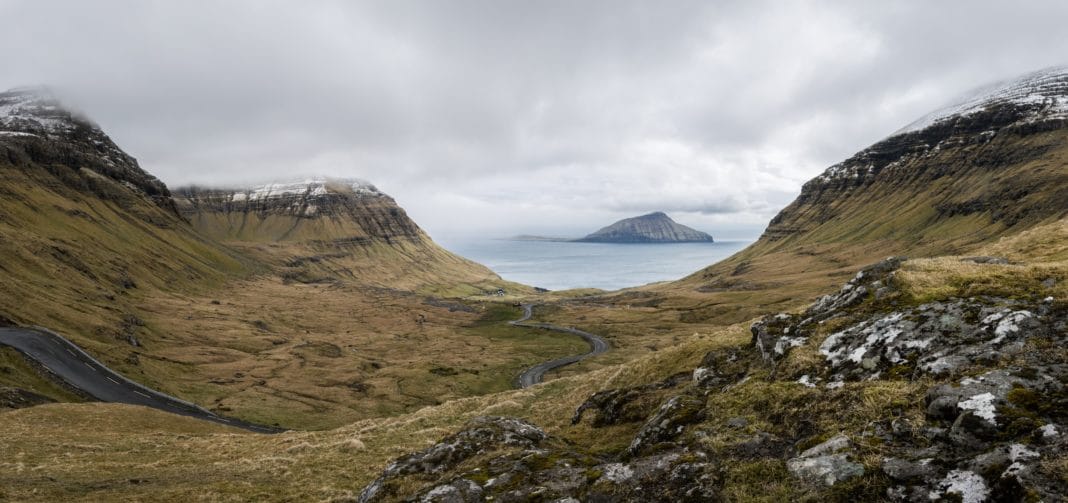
[
  {"x": 37, "y": 131},
  {"x": 308, "y": 210},
  {"x": 652, "y": 228}
]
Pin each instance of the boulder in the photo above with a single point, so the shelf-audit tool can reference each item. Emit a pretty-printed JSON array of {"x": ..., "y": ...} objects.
[{"x": 826, "y": 464}]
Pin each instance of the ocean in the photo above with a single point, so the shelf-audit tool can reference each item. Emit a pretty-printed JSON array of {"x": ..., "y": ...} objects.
[{"x": 561, "y": 265}]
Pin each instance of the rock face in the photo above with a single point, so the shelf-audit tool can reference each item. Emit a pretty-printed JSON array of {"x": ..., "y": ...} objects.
[
  {"x": 37, "y": 130},
  {"x": 313, "y": 209},
  {"x": 652, "y": 228}
]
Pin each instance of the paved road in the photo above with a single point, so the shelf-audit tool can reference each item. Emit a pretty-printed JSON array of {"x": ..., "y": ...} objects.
[
  {"x": 68, "y": 362},
  {"x": 535, "y": 374}
]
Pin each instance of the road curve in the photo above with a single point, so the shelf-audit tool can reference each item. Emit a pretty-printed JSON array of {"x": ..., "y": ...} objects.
[
  {"x": 534, "y": 374},
  {"x": 70, "y": 363}
]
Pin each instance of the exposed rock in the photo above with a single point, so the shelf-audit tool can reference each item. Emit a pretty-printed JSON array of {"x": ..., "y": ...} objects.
[
  {"x": 625, "y": 405},
  {"x": 938, "y": 337},
  {"x": 737, "y": 422},
  {"x": 652, "y": 228},
  {"x": 354, "y": 212},
  {"x": 903, "y": 470},
  {"x": 458, "y": 491},
  {"x": 775, "y": 335},
  {"x": 826, "y": 463},
  {"x": 481, "y": 434},
  {"x": 18, "y": 398},
  {"x": 669, "y": 422}
]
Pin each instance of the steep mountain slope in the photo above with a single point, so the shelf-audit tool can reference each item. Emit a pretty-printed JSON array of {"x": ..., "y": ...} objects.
[
  {"x": 314, "y": 209},
  {"x": 324, "y": 229},
  {"x": 993, "y": 166},
  {"x": 84, "y": 231},
  {"x": 652, "y": 228}
]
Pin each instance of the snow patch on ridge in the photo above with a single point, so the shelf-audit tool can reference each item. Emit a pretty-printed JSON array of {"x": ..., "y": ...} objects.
[
  {"x": 1045, "y": 90},
  {"x": 25, "y": 111},
  {"x": 308, "y": 187}
]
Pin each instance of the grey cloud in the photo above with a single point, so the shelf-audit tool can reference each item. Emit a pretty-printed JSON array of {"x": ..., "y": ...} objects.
[{"x": 493, "y": 114}]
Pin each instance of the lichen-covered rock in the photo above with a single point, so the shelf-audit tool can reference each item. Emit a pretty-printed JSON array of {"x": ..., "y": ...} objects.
[
  {"x": 774, "y": 336},
  {"x": 625, "y": 405},
  {"x": 669, "y": 422},
  {"x": 482, "y": 434},
  {"x": 939, "y": 338},
  {"x": 458, "y": 491},
  {"x": 826, "y": 464},
  {"x": 868, "y": 280},
  {"x": 904, "y": 470}
]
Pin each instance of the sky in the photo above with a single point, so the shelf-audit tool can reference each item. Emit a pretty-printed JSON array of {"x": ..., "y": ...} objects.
[{"x": 496, "y": 118}]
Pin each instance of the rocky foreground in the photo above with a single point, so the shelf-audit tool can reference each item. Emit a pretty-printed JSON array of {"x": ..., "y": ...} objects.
[{"x": 983, "y": 416}]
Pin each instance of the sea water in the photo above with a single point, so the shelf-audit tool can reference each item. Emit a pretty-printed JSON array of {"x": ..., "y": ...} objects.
[{"x": 561, "y": 265}]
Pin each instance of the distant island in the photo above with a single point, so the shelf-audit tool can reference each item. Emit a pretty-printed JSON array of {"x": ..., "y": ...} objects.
[
  {"x": 530, "y": 237},
  {"x": 652, "y": 228}
]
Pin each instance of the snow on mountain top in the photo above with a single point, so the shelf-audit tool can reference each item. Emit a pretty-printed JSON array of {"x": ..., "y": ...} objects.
[
  {"x": 316, "y": 186},
  {"x": 33, "y": 111},
  {"x": 1046, "y": 91}
]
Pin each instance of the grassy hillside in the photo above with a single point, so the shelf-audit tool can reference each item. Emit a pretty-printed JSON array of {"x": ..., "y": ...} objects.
[
  {"x": 82, "y": 252},
  {"x": 172, "y": 458}
]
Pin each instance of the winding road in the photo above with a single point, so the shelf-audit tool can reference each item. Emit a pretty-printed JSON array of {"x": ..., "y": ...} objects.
[
  {"x": 70, "y": 363},
  {"x": 535, "y": 374}
]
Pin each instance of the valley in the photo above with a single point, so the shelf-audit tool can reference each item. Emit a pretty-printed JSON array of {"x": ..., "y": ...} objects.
[{"x": 898, "y": 328}]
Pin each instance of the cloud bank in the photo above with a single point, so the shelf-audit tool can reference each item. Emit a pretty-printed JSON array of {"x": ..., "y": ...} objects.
[{"x": 505, "y": 117}]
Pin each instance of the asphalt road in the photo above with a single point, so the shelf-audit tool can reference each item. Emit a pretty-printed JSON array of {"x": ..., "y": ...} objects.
[
  {"x": 74, "y": 366},
  {"x": 535, "y": 374}
]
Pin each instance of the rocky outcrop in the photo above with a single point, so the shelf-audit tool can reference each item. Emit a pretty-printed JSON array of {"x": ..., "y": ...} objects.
[
  {"x": 313, "y": 209},
  {"x": 652, "y": 228},
  {"x": 522, "y": 463},
  {"x": 38, "y": 132}
]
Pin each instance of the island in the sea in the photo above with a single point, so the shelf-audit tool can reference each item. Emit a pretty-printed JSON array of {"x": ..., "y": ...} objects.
[{"x": 652, "y": 228}]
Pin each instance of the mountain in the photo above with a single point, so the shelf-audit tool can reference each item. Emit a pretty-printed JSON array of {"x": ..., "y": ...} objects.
[
  {"x": 313, "y": 209},
  {"x": 652, "y": 228},
  {"x": 37, "y": 129},
  {"x": 326, "y": 229},
  {"x": 83, "y": 229},
  {"x": 991, "y": 166}
]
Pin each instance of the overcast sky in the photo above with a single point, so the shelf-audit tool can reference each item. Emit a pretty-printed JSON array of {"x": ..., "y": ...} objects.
[{"x": 506, "y": 117}]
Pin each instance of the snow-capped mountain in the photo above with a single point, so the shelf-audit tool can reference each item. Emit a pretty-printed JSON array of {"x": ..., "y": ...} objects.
[
  {"x": 993, "y": 160},
  {"x": 1041, "y": 96},
  {"x": 1033, "y": 102},
  {"x": 36, "y": 128},
  {"x": 317, "y": 208}
]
